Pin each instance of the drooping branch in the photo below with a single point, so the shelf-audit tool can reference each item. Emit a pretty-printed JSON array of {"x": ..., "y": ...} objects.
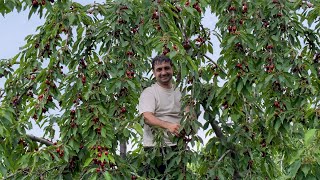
[
  {"x": 40, "y": 140},
  {"x": 217, "y": 130}
]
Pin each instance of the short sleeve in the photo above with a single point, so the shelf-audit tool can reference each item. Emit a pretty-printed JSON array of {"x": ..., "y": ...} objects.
[{"x": 147, "y": 101}]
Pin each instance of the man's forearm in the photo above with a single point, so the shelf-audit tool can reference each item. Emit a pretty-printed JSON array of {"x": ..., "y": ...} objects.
[{"x": 151, "y": 120}]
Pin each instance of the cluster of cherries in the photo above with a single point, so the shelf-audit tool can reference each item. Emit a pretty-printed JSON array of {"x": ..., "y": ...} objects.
[{"x": 97, "y": 160}]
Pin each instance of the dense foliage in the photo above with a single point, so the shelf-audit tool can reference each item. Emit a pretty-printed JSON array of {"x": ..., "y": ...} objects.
[{"x": 86, "y": 66}]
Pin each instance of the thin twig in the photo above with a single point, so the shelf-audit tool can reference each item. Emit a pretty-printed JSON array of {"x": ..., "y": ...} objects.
[
  {"x": 221, "y": 158},
  {"x": 1, "y": 93},
  {"x": 211, "y": 60}
]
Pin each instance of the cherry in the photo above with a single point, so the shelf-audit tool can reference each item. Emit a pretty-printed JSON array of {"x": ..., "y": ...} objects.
[
  {"x": 96, "y": 119},
  {"x": 197, "y": 7},
  {"x": 269, "y": 47},
  {"x": 73, "y": 124},
  {"x": 35, "y": 3},
  {"x": 279, "y": 15},
  {"x": 232, "y": 20},
  {"x": 250, "y": 163},
  {"x": 200, "y": 39},
  {"x": 130, "y": 53},
  {"x": 129, "y": 74},
  {"x": 123, "y": 110},
  {"x": 134, "y": 30},
  {"x": 102, "y": 164},
  {"x": 123, "y": 7},
  {"x": 98, "y": 130},
  {"x": 234, "y": 28},
  {"x": 155, "y": 15},
  {"x": 239, "y": 65},
  {"x": 244, "y": 8},
  {"x": 72, "y": 112},
  {"x": 121, "y": 21},
  {"x": 49, "y": 98},
  {"x": 175, "y": 47},
  {"x": 165, "y": 51},
  {"x": 232, "y": 8},
  {"x": 98, "y": 170},
  {"x": 106, "y": 153},
  {"x": 83, "y": 79},
  {"x": 40, "y": 97},
  {"x": 95, "y": 160},
  {"x": 186, "y": 45}
]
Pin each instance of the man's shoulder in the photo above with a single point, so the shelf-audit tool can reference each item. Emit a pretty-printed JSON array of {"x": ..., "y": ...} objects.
[{"x": 150, "y": 88}]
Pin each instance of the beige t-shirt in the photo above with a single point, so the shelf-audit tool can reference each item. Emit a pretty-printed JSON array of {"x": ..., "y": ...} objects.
[{"x": 164, "y": 104}]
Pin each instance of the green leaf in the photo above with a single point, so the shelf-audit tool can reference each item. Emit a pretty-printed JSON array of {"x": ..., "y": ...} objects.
[
  {"x": 277, "y": 125},
  {"x": 309, "y": 136},
  {"x": 275, "y": 38},
  {"x": 230, "y": 40},
  {"x": 294, "y": 168},
  {"x": 88, "y": 161},
  {"x": 107, "y": 175},
  {"x": 138, "y": 128},
  {"x": 131, "y": 84},
  {"x": 305, "y": 169},
  {"x": 125, "y": 43}
]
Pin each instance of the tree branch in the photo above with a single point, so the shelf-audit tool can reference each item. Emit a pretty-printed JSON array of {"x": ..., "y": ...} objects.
[
  {"x": 212, "y": 61},
  {"x": 40, "y": 140}
]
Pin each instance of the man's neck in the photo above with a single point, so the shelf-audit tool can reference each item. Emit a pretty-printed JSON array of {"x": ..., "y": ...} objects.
[{"x": 166, "y": 85}]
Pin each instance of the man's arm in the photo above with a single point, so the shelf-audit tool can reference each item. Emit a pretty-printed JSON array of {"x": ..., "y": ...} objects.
[{"x": 151, "y": 120}]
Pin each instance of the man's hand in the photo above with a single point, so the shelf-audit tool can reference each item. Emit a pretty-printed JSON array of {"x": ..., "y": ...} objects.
[{"x": 173, "y": 128}]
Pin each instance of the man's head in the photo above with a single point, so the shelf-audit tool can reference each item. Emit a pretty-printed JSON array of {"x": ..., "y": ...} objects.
[{"x": 162, "y": 67}]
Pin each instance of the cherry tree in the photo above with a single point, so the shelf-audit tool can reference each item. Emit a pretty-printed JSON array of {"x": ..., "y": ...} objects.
[{"x": 91, "y": 62}]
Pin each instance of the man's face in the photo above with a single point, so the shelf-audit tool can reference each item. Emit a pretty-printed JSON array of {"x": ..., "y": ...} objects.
[{"x": 163, "y": 72}]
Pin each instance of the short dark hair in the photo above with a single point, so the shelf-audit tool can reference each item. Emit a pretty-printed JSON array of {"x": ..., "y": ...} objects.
[{"x": 161, "y": 59}]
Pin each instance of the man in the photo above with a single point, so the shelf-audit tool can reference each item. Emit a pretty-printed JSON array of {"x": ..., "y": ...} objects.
[{"x": 160, "y": 106}]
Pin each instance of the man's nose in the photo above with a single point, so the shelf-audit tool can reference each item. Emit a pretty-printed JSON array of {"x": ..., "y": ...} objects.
[{"x": 163, "y": 72}]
